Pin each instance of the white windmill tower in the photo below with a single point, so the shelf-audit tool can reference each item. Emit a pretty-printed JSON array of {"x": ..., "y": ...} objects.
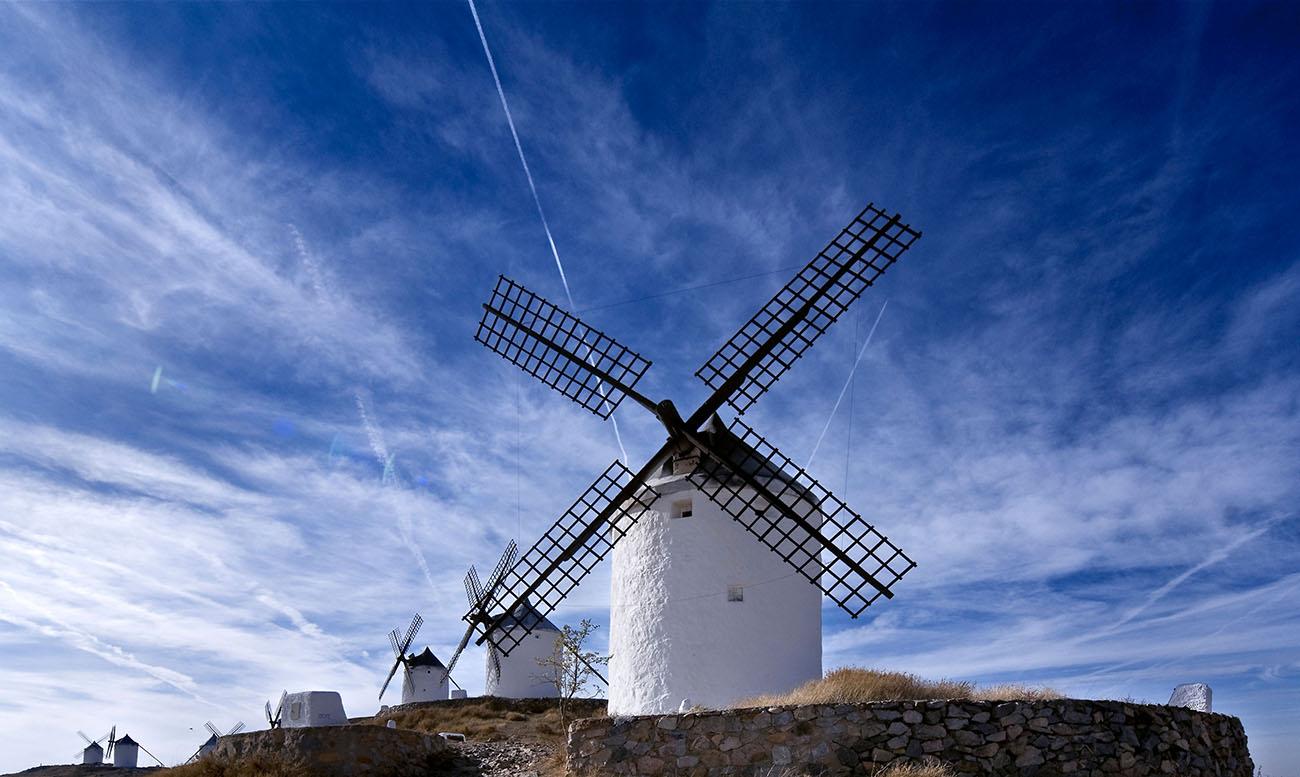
[
  {"x": 126, "y": 752},
  {"x": 515, "y": 676},
  {"x": 519, "y": 675},
  {"x": 93, "y": 752},
  {"x": 424, "y": 678},
  {"x": 701, "y": 611}
]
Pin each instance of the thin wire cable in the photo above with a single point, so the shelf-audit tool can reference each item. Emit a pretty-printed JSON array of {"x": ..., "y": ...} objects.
[
  {"x": 840, "y": 398},
  {"x": 532, "y": 187}
]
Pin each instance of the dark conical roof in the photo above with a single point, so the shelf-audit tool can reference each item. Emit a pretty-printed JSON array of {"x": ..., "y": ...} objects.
[
  {"x": 125, "y": 739},
  {"x": 427, "y": 658},
  {"x": 95, "y": 745},
  {"x": 527, "y": 616}
]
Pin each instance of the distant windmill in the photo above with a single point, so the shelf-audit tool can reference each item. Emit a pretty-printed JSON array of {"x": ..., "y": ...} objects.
[
  {"x": 518, "y": 674},
  {"x": 424, "y": 678},
  {"x": 514, "y": 676},
  {"x": 125, "y": 752},
  {"x": 93, "y": 752},
  {"x": 214, "y": 735},
  {"x": 700, "y": 610},
  {"x": 273, "y": 718}
]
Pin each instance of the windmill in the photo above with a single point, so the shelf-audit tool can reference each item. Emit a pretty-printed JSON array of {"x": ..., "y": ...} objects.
[
  {"x": 214, "y": 735},
  {"x": 517, "y": 675},
  {"x": 125, "y": 752},
  {"x": 273, "y": 718},
  {"x": 479, "y": 597},
  {"x": 424, "y": 678},
  {"x": 682, "y": 624},
  {"x": 93, "y": 752}
]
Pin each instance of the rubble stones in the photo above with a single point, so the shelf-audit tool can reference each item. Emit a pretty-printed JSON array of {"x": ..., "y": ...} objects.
[
  {"x": 499, "y": 759},
  {"x": 1042, "y": 739}
]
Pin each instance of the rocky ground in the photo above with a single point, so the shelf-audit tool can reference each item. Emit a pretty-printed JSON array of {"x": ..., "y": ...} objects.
[{"x": 506, "y": 759}]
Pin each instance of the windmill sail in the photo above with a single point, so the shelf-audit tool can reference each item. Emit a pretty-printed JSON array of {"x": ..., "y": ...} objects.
[
  {"x": 567, "y": 552},
  {"x": 479, "y": 597},
  {"x": 747, "y": 365},
  {"x": 780, "y": 504},
  {"x": 799, "y": 519},
  {"x": 582, "y": 363},
  {"x": 400, "y": 648}
]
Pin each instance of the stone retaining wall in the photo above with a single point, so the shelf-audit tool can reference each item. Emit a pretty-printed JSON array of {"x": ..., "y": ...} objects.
[
  {"x": 1042, "y": 739},
  {"x": 335, "y": 751}
]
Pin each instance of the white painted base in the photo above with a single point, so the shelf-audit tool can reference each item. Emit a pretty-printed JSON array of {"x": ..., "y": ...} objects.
[
  {"x": 428, "y": 683},
  {"x": 521, "y": 676},
  {"x": 673, "y": 633},
  {"x": 125, "y": 756}
]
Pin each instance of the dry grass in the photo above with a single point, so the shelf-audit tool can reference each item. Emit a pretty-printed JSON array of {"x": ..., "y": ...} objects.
[
  {"x": 932, "y": 769},
  {"x": 489, "y": 719},
  {"x": 1016, "y": 692},
  {"x": 253, "y": 766},
  {"x": 928, "y": 769},
  {"x": 852, "y": 685}
]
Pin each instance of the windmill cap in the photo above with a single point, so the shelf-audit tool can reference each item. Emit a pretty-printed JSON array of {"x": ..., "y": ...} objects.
[
  {"x": 526, "y": 616},
  {"x": 427, "y": 658},
  {"x": 126, "y": 739}
]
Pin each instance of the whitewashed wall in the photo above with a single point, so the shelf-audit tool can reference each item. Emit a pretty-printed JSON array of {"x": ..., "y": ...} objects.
[
  {"x": 125, "y": 756},
  {"x": 673, "y": 633},
  {"x": 520, "y": 673},
  {"x": 428, "y": 683}
]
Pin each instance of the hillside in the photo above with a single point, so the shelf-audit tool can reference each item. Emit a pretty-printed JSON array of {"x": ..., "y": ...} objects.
[{"x": 488, "y": 718}]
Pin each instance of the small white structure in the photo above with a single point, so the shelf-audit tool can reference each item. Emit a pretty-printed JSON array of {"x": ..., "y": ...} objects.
[
  {"x": 126, "y": 752},
  {"x": 1193, "y": 696},
  {"x": 458, "y": 693},
  {"x": 426, "y": 678},
  {"x": 313, "y": 708},
  {"x": 521, "y": 677},
  {"x": 93, "y": 754},
  {"x": 700, "y": 609}
]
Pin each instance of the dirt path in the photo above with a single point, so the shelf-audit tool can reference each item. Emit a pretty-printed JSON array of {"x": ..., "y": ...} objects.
[{"x": 506, "y": 759}]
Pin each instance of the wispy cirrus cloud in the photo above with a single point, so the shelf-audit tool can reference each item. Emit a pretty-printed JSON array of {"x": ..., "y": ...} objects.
[{"x": 1080, "y": 414}]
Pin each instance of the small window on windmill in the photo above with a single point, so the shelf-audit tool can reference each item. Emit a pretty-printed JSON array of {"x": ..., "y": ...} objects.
[
  {"x": 735, "y": 593},
  {"x": 295, "y": 710},
  {"x": 682, "y": 509}
]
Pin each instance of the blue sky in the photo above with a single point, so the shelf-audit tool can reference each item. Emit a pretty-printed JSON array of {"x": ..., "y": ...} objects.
[{"x": 1080, "y": 411}]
